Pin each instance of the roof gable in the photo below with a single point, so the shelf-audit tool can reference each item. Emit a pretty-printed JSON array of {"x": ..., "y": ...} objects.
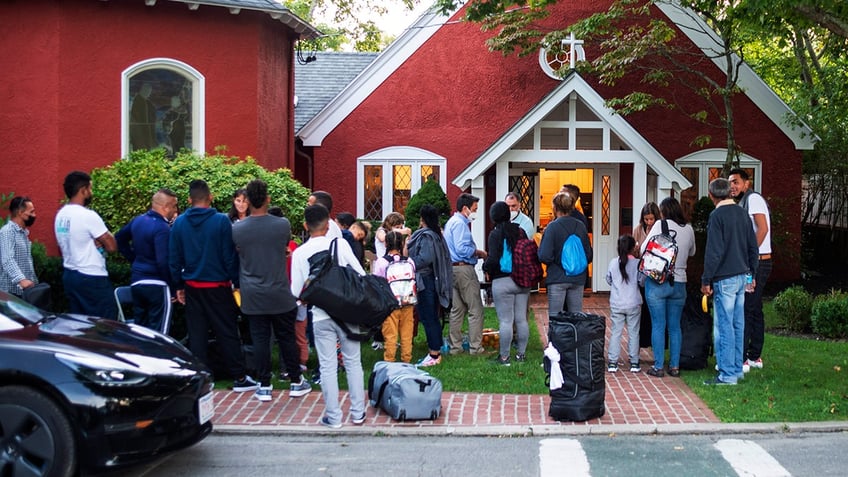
[
  {"x": 320, "y": 126},
  {"x": 639, "y": 147}
]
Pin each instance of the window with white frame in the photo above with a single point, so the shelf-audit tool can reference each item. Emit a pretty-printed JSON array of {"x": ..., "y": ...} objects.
[
  {"x": 703, "y": 166},
  {"x": 387, "y": 178},
  {"x": 162, "y": 107}
]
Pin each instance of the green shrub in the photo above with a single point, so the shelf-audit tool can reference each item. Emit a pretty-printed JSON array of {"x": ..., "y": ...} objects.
[
  {"x": 429, "y": 193},
  {"x": 830, "y": 315},
  {"x": 123, "y": 189},
  {"x": 794, "y": 305}
]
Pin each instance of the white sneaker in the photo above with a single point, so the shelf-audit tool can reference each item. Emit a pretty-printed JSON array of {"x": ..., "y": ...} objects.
[
  {"x": 757, "y": 363},
  {"x": 429, "y": 361},
  {"x": 746, "y": 367},
  {"x": 263, "y": 393}
]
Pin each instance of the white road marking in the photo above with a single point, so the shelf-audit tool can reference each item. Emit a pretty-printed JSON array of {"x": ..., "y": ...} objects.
[
  {"x": 562, "y": 457},
  {"x": 748, "y": 459}
]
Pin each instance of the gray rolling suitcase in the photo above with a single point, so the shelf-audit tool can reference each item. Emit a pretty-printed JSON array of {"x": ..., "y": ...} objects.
[{"x": 404, "y": 391}]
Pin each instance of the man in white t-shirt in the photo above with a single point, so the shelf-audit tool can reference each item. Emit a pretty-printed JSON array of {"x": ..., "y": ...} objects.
[
  {"x": 325, "y": 199},
  {"x": 326, "y": 331},
  {"x": 757, "y": 208},
  {"x": 84, "y": 241}
]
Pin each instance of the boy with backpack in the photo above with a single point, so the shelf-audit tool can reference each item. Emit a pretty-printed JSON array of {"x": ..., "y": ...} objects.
[{"x": 399, "y": 271}]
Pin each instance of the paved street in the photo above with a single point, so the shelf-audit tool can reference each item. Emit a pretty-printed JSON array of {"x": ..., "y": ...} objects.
[{"x": 761, "y": 455}]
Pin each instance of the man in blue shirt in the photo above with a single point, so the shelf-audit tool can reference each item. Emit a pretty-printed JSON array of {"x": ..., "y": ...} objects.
[
  {"x": 204, "y": 267},
  {"x": 144, "y": 243},
  {"x": 466, "y": 285}
]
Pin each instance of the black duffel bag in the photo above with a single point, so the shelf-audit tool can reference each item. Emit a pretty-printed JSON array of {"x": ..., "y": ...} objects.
[
  {"x": 348, "y": 297},
  {"x": 579, "y": 339}
]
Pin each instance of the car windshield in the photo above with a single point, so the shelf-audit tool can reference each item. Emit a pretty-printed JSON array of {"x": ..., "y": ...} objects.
[{"x": 16, "y": 313}]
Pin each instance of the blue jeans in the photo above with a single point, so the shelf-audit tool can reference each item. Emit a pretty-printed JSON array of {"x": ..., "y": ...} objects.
[
  {"x": 729, "y": 326},
  {"x": 666, "y": 304},
  {"x": 428, "y": 312}
]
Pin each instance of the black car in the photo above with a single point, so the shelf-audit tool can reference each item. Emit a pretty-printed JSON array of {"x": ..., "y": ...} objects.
[{"x": 79, "y": 392}]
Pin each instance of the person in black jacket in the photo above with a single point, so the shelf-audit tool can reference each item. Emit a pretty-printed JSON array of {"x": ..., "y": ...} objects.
[
  {"x": 730, "y": 254},
  {"x": 510, "y": 299}
]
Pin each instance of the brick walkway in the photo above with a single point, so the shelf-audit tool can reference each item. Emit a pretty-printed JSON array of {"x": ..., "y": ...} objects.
[{"x": 631, "y": 399}]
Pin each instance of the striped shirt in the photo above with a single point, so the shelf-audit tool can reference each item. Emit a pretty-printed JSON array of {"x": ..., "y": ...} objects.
[{"x": 15, "y": 258}]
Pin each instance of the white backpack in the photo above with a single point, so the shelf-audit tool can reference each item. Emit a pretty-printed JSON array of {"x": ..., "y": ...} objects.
[{"x": 400, "y": 273}]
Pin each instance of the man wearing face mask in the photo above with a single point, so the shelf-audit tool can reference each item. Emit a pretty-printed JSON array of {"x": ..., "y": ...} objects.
[
  {"x": 16, "y": 269},
  {"x": 517, "y": 217},
  {"x": 83, "y": 240},
  {"x": 466, "y": 286}
]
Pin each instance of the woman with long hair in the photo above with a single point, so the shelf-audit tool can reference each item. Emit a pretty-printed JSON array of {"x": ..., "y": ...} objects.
[
  {"x": 650, "y": 213},
  {"x": 239, "y": 210},
  {"x": 666, "y": 300},
  {"x": 510, "y": 299},
  {"x": 433, "y": 278}
]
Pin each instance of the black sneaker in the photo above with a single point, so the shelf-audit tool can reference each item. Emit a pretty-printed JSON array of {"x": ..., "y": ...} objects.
[
  {"x": 657, "y": 373},
  {"x": 520, "y": 358},
  {"x": 245, "y": 384},
  {"x": 284, "y": 376}
]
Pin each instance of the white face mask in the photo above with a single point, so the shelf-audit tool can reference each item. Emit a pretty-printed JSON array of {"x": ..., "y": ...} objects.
[
  {"x": 472, "y": 216},
  {"x": 513, "y": 214}
]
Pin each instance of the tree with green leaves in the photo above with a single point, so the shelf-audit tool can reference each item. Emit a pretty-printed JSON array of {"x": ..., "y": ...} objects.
[
  {"x": 801, "y": 54},
  {"x": 430, "y": 193},
  {"x": 349, "y": 23},
  {"x": 123, "y": 189}
]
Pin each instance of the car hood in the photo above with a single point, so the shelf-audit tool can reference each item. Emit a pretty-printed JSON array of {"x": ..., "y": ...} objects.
[{"x": 135, "y": 346}]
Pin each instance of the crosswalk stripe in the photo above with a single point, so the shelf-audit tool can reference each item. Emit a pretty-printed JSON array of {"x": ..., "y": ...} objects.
[
  {"x": 562, "y": 457},
  {"x": 748, "y": 459}
]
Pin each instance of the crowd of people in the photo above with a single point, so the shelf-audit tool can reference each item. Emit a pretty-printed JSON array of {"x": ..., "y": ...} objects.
[{"x": 247, "y": 263}]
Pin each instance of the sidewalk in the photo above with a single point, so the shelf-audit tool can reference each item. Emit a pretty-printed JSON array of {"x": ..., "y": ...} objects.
[{"x": 635, "y": 403}]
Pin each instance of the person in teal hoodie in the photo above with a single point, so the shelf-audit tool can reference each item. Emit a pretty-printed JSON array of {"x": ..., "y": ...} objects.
[{"x": 204, "y": 270}]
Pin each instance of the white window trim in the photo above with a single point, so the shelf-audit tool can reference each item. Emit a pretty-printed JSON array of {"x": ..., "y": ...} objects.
[
  {"x": 708, "y": 158},
  {"x": 396, "y": 156},
  {"x": 198, "y": 99}
]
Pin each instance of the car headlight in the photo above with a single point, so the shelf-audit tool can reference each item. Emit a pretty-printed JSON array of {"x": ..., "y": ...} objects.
[{"x": 103, "y": 371}]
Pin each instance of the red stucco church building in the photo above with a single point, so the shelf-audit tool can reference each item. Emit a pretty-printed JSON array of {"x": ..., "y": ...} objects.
[{"x": 437, "y": 103}]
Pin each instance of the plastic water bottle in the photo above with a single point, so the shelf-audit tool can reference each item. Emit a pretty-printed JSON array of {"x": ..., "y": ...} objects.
[
  {"x": 749, "y": 283},
  {"x": 465, "y": 345},
  {"x": 445, "y": 345}
]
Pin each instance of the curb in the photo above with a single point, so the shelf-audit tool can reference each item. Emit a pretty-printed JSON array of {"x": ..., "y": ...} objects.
[{"x": 544, "y": 430}]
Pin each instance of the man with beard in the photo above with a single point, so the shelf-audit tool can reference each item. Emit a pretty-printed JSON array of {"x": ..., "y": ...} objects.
[
  {"x": 16, "y": 269},
  {"x": 84, "y": 241}
]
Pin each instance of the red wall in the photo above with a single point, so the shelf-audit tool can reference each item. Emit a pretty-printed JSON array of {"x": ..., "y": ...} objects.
[
  {"x": 455, "y": 98},
  {"x": 61, "y": 86}
]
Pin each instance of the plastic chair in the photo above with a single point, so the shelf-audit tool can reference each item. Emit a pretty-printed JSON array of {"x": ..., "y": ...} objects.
[{"x": 123, "y": 297}]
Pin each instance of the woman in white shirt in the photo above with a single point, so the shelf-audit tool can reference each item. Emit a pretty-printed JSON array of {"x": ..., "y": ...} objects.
[{"x": 666, "y": 300}]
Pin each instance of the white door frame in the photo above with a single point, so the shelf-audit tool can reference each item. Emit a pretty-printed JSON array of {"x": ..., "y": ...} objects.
[{"x": 604, "y": 242}]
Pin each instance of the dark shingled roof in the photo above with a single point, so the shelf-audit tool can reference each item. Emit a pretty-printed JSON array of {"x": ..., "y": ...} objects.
[{"x": 318, "y": 82}]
